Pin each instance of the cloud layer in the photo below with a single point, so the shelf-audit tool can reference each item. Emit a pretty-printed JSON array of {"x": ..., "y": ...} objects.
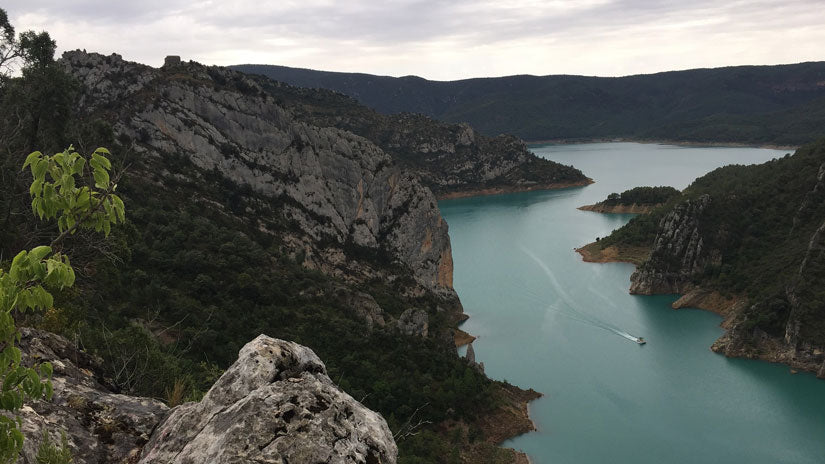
[{"x": 440, "y": 39}]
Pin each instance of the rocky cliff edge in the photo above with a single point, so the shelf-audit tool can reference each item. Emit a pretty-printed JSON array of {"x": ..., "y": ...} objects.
[{"x": 274, "y": 404}]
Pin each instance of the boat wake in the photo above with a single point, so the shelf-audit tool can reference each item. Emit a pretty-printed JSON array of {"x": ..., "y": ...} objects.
[{"x": 570, "y": 309}]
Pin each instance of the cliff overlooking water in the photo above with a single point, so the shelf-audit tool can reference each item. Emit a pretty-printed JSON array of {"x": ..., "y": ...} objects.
[
  {"x": 744, "y": 241},
  {"x": 247, "y": 213},
  {"x": 451, "y": 159}
]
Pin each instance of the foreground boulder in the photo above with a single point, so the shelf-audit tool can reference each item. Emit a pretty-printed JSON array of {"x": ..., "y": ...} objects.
[
  {"x": 101, "y": 426},
  {"x": 276, "y": 404}
]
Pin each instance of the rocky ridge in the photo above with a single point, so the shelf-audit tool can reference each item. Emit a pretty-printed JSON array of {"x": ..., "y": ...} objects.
[
  {"x": 101, "y": 425},
  {"x": 618, "y": 209},
  {"x": 319, "y": 198},
  {"x": 337, "y": 186},
  {"x": 453, "y": 160}
]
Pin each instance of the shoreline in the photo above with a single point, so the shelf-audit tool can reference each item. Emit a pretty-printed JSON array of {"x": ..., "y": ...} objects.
[
  {"x": 512, "y": 189},
  {"x": 462, "y": 338},
  {"x": 766, "y": 348},
  {"x": 591, "y": 253},
  {"x": 679, "y": 143}
]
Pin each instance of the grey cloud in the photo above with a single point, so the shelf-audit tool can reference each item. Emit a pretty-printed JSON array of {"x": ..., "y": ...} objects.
[{"x": 395, "y": 28}]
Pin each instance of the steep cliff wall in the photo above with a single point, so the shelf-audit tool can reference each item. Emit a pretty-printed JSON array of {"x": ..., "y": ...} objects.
[
  {"x": 747, "y": 242},
  {"x": 451, "y": 159},
  {"x": 338, "y": 186},
  {"x": 678, "y": 252},
  {"x": 248, "y": 214}
]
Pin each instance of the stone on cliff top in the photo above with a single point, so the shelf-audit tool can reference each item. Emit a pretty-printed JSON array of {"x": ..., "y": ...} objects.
[
  {"x": 172, "y": 60},
  {"x": 276, "y": 404}
]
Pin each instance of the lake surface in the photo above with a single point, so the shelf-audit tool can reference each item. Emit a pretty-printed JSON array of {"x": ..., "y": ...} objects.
[{"x": 549, "y": 321}]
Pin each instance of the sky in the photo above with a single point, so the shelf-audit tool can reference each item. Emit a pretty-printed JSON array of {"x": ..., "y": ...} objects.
[{"x": 440, "y": 39}]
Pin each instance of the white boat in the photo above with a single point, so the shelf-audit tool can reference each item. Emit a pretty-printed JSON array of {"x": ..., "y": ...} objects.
[{"x": 640, "y": 340}]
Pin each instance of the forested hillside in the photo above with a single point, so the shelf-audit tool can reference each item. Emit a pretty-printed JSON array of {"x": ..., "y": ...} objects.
[
  {"x": 244, "y": 218},
  {"x": 754, "y": 235},
  {"x": 779, "y": 105}
]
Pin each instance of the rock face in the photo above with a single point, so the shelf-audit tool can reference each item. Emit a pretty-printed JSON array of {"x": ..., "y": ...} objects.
[
  {"x": 101, "y": 426},
  {"x": 274, "y": 405},
  {"x": 336, "y": 186},
  {"x": 450, "y": 159},
  {"x": 677, "y": 254},
  {"x": 753, "y": 252},
  {"x": 414, "y": 322}
]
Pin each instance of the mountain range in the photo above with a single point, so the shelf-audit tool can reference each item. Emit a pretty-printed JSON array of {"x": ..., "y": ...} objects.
[{"x": 758, "y": 105}]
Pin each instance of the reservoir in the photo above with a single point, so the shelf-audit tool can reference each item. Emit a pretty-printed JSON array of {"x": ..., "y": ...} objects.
[{"x": 547, "y": 320}]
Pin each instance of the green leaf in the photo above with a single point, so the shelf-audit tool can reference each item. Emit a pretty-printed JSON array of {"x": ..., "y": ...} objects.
[
  {"x": 79, "y": 164},
  {"x": 101, "y": 178},
  {"x": 39, "y": 168},
  {"x": 36, "y": 187},
  {"x": 39, "y": 253},
  {"x": 119, "y": 207},
  {"x": 33, "y": 156},
  {"x": 46, "y": 370},
  {"x": 101, "y": 160}
]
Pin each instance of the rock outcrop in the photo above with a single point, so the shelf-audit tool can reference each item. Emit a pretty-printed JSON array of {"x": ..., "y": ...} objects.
[
  {"x": 275, "y": 405},
  {"x": 677, "y": 253},
  {"x": 747, "y": 242},
  {"x": 101, "y": 426},
  {"x": 335, "y": 186},
  {"x": 414, "y": 322}
]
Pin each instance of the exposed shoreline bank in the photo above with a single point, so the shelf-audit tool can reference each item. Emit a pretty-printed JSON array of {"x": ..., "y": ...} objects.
[
  {"x": 512, "y": 189},
  {"x": 680, "y": 143},
  {"x": 513, "y": 417},
  {"x": 769, "y": 349}
]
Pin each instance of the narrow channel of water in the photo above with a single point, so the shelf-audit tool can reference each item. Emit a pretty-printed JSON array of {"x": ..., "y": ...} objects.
[{"x": 549, "y": 321}]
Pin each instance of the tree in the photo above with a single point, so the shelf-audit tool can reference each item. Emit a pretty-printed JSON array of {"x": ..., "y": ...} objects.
[
  {"x": 37, "y": 49},
  {"x": 78, "y": 193},
  {"x": 9, "y": 50}
]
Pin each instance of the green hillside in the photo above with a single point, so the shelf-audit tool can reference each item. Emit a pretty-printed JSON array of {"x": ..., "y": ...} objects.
[{"x": 743, "y": 104}]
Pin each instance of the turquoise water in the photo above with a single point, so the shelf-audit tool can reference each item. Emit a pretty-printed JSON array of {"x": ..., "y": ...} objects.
[{"x": 549, "y": 321}]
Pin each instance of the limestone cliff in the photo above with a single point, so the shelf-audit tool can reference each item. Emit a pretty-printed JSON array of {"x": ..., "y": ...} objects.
[
  {"x": 747, "y": 242},
  {"x": 251, "y": 214},
  {"x": 337, "y": 186},
  {"x": 451, "y": 159},
  {"x": 677, "y": 253}
]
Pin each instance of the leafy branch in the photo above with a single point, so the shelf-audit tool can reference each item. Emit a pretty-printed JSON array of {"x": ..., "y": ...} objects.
[{"x": 25, "y": 286}]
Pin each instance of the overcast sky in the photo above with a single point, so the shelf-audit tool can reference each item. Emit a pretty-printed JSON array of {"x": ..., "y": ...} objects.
[{"x": 439, "y": 39}]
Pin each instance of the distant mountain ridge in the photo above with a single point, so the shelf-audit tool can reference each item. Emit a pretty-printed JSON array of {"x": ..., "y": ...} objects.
[{"x": 781, "y": 104}]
